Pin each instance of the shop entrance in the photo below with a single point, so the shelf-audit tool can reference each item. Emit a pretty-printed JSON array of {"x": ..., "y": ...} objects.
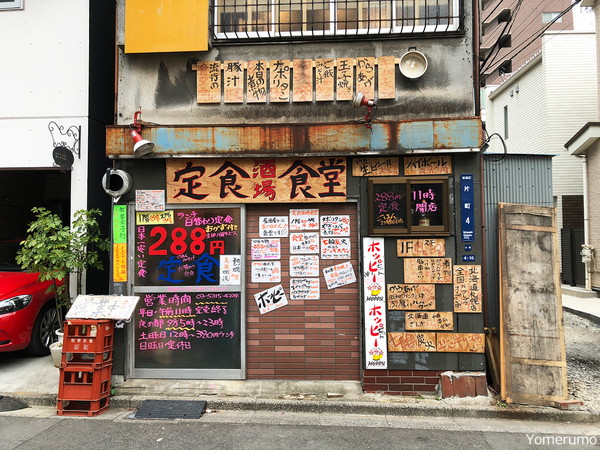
[{"x": 189, "y": 273}]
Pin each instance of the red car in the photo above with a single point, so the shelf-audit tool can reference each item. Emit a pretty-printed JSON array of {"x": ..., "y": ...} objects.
[{"x": 28, "y": 317}]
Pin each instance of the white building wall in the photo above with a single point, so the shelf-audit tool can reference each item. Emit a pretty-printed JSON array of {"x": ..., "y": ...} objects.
[
  {"x": 524, "y": 95},
  {"x": 552, "y": 96},
  {"x": 44, "y": 78},
  {"x": 570, "y": 76}
]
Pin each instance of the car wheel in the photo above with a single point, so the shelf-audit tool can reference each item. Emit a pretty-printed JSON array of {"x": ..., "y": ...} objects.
[{"x": 43, "y": 334}]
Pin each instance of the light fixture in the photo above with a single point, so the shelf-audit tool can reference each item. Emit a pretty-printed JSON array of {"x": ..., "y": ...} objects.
[
  {"x": 413, "y": 64},
  {"x": 141, "y": 146},
  {"x": 360, "y": 100}
]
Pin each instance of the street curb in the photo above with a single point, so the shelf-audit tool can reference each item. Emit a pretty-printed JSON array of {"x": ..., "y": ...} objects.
[
  {"x": 360, "y": 407},
  {"x": 584, "y": 315}
]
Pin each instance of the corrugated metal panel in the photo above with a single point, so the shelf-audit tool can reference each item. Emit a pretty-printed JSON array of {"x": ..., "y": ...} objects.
[{"x": 523, "y": 179}]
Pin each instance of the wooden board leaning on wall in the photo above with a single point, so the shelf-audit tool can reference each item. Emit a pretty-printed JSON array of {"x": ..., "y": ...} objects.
[{"x": 436, "y": 342}]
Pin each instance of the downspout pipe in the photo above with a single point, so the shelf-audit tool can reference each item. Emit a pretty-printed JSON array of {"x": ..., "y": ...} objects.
[
  {"x": 476, "y": 26},
  {"x": 586, "y": 224}
]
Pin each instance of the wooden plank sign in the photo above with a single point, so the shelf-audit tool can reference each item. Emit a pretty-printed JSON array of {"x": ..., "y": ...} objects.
[
  {"x": 208, "y": 82},
  {"x": 386, "y": 76},
  {"x": 233, "y": 81},
  {"x": 280, "y": 79},
  {"x": 324, "y": 79},
  {"x": 375, "y": 167},
  {"x": 248, "y": 181},
  {"x": 467, "y": 289},
  {"x": 420, "y": 247},
  {"x": 412, "y": 342},
  {"x": 256, "y": 83},
  {"x": 427, "y": 165},
  {"x": 345, "y": 78},
  {"x": 365, "y": 76},
  {"x": 461, "y": 342},
  {"x": 303, "y": 80},
  {"x": 428, "y": 270},
  {"x": 429, "y": 320},
  {"x": 411, "y": 296}
]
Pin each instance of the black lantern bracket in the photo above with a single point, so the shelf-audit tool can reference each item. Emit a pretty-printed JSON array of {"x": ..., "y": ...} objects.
[{"x": 70, "y": 139}]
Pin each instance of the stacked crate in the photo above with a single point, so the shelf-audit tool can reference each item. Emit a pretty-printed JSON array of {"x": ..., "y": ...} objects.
[{"x": 84, "y": 386}]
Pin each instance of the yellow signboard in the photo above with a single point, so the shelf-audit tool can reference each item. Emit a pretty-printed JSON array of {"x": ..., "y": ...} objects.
[{"x": 166, "y": 26}]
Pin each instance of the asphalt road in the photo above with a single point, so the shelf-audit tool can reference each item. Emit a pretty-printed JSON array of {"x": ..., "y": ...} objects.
[{"x": 39, "y": 428}]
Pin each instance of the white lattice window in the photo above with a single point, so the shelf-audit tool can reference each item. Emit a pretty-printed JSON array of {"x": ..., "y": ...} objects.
[{"x": 247, "y": 19}]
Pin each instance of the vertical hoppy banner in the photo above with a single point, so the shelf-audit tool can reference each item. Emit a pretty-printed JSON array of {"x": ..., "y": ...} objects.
[{"x": 374, "y": 303}]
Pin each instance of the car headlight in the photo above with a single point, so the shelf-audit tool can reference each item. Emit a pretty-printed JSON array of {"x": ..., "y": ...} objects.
[{"x": 14, "y": 304}]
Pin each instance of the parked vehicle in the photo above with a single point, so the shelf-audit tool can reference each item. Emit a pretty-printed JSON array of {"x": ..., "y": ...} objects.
[{"x": 28, "y": 317}]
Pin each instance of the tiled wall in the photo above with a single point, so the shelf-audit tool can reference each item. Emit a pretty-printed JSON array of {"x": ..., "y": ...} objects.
[{"x": 306, "y": 339}]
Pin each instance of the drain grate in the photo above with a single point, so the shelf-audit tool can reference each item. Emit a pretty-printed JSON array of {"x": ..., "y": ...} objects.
[
  {"x": 11, "y": 404},
  {"x": 170, "y": 409}
]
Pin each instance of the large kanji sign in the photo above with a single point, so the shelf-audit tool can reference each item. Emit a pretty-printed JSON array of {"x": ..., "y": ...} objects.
[{"x": 260, "y": 180}]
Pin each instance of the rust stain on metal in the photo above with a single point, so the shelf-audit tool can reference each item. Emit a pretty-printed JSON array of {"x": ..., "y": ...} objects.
[{"x": 274, "y": 139}]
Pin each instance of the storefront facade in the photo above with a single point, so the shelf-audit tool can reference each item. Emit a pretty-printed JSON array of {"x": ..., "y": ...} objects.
[{"x": 288, "y": 237}]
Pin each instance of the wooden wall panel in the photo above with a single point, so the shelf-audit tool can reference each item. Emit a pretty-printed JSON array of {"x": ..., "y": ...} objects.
[{"x": 532, "y": 347}]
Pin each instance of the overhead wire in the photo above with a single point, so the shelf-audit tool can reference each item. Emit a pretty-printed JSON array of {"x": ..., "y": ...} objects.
[
  {"x": 534, "y": 36},
  {"x": 496, "y": 47},
  {"x": 500, "y": 3},
  {"x": 540, "y": 8},
  {"x": 529, "y": 40}
]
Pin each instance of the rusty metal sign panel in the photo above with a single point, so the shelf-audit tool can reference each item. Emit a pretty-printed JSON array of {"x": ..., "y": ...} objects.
[{"x": 256, "y": 180}]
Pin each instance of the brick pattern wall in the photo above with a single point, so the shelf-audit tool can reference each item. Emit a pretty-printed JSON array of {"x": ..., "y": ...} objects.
[
  {"x": 401, "y": 382},
  {"x": 307, "y": 339}
]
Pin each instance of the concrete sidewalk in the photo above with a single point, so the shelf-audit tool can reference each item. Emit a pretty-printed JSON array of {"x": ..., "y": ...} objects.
[
  {"x": 35, "y": 381},
  {"x": 581, "y": 302}
]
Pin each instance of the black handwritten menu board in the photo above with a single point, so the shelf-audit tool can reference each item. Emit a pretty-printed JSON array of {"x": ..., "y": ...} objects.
[
  {"x": 427, "y": 203},
  {"x": 388, "y": 211},
  {"x": 187, "y": 251},
  {"x": 401, "y": 205},
  {"x": 188, "y": 330}
]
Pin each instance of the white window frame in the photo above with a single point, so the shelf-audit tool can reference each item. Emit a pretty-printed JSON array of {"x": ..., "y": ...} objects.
[
  {"x": 11, "y": 4},
  {"x": 453, "y": 25},
  {"x": 549, "y": 16}
]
